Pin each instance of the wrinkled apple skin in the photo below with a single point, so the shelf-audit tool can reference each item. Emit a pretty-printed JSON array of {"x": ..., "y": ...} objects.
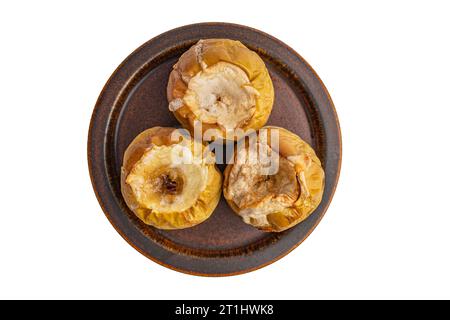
[
  {"x": 214, "y": 51},
  {"x": 206, "y": 202},
  {"x": 310, "y": 177}
]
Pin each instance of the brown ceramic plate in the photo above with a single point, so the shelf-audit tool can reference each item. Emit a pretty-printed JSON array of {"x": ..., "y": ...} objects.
[{"x": 134, "y": 99}]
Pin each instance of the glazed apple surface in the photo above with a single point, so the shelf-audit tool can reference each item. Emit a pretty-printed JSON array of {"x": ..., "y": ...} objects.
[
  {"x": 222, "y": 85},
  {"x": 167, "y": 182}
]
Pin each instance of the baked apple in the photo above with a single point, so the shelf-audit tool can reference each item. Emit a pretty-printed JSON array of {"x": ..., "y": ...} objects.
[
  {"x": 222, "y": 85},
  {"x": 274, "y": 184},
  {"x": 168, "y": 181}
]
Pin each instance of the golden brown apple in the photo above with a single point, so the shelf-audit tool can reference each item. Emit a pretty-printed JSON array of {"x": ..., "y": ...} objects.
[
  {"x": 274, "y": 195},
  {"x": 222, "y": 85},
  {"x": 169, "y": 183}
]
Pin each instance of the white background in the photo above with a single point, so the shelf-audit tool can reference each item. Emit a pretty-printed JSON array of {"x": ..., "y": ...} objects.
[{"x": 387, "y": 231}]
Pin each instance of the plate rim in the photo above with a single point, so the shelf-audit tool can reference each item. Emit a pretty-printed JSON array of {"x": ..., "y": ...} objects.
[{"x": 91, "y": 160}]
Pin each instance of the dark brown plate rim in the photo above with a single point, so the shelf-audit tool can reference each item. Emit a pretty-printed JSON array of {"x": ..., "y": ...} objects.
[{"x": 98, "y": 128}]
